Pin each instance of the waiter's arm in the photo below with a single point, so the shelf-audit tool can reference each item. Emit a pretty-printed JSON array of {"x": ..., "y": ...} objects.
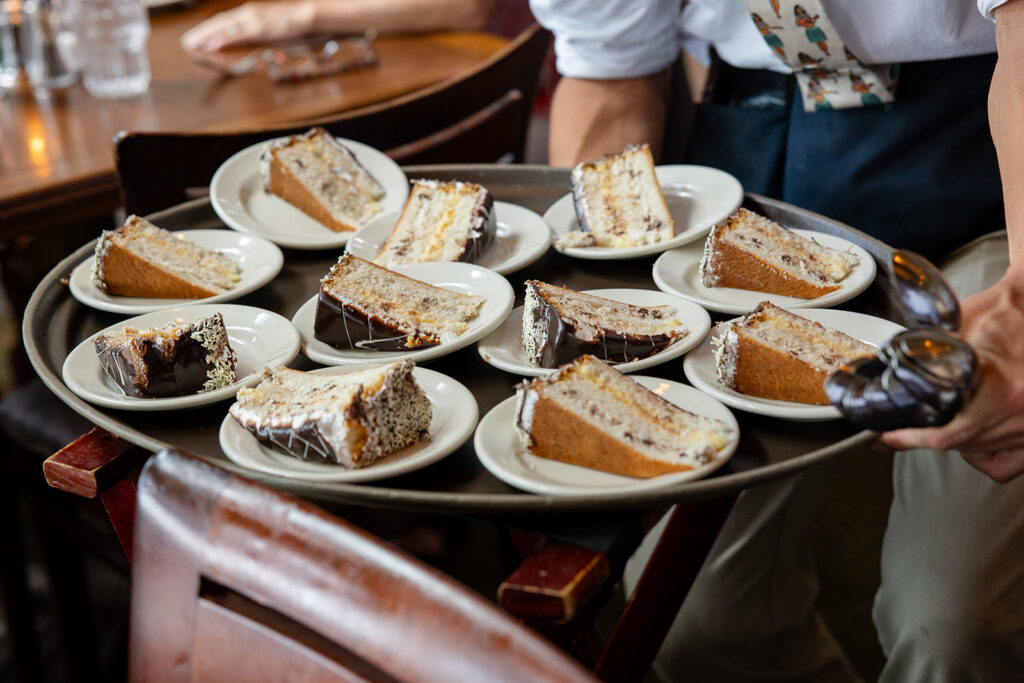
[
  {"x": 590, "y": 118},
  {"x": 989, "y": 431},
  {"x": 1006, "y": 118}
]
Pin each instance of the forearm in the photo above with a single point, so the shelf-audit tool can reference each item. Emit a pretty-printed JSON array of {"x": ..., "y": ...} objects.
[
  {"x": 1006, "y": 119},
  {"x": 393, "y": 16},
  {"x": 255, "y": 23},
  {"x": 590, "y": 118}
]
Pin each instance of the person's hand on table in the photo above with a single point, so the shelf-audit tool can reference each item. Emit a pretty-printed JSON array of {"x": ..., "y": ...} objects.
[
  {"x": 251, "y": 23},
  {"x": 989, "y": 430}
]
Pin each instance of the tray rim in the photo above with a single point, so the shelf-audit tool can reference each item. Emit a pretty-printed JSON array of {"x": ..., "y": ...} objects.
[{"x": 50, "y": 288}]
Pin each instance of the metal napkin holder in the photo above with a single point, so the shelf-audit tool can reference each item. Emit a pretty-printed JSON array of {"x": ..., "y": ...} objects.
[{"x": 922, "y": 376}]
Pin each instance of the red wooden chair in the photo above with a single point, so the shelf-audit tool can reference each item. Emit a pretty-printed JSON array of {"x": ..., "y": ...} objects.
[
  {"x": 551, "y": 590},
  {"x": 235, "y": 581}
]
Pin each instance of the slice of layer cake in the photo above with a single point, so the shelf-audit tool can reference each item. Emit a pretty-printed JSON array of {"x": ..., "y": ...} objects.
[
  {"x": 139, "y": 259},
  {"x": 365, "y": 306},
  {"x": 321, "y": 177},
  {"x": 591, "y": 415},
  {"x": 177, "y": 359},
  {"x": 441, "y": 221},
  {"x": 619, "y": 202},
  {"x": 560, "y": 324},
  {"x": 350, "y": 420},
  {"x": 773, "y": 353},
  {"x": 748, "y": 251}
]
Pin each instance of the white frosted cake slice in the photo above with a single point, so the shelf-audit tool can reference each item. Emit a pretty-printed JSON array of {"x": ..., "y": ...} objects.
[
  {"x": 141, "y": 260},
  {"x": 321, "y": 177},
  {"x": 749, "y": 251},
  {"x": 365, "y": 306},
  {"x": 351, "y": 420},
  {"x": 619, "y": 201},
  {"x": 441, "y": 221},
  {"x": 560, "y": 324},
  {"x": 773, "y": 353},
  {"x": 177, "y": 359},
  {"x": 589, "y": 414}
]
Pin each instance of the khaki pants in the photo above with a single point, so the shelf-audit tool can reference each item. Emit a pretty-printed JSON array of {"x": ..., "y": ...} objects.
[{"x": 951, "y": 603}]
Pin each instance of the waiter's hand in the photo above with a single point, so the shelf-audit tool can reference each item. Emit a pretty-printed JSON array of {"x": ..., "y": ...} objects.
[{"x": 989, "y": 430}]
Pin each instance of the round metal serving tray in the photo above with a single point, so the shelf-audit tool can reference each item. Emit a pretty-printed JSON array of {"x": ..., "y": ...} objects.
[{"x": 769, "y": 448}]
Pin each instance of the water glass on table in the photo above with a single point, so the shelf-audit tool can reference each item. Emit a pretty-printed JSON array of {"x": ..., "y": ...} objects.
[
  {"x": 14, "y": 41},
  {"x": 112, "y": 37}
]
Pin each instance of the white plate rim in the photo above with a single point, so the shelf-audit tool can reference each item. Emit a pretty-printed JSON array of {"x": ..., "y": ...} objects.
[
  {"x": 855, "y": 283},
  {"x": 458, "y": 426},
  {"x": 699, "y": 326},
  {"x": 243, "y": 166},
  {"x": 108, "y": 398},
  {"x": 82, "y": 288},
  {"x": 498, "y": 421},
  {"x": 699, "y": 365},
  {"x": 522, "y": 221},
  {"x": 561, "y": 215},
  {"x": 497, "y": 305}
]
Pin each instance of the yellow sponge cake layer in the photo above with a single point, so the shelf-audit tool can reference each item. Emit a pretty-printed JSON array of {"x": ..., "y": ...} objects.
[{"x": 590, "y": 415}]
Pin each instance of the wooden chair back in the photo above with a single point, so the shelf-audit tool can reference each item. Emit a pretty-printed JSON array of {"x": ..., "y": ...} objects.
[
  {"x": 477, "y": 118},
  {"x": 235, "y": 581}
]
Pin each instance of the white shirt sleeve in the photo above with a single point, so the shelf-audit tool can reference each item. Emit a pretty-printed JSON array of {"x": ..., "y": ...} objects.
[
  {"x": 611, "y": 38},
  {"x": 986, "y": 6}
]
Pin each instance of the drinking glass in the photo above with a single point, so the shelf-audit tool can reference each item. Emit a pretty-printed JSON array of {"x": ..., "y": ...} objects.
[
  {"x": 14, "y": 43},
  {"x": 112, "y": 37}
]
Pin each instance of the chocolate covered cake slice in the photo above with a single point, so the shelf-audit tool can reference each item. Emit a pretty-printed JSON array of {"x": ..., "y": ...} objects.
[
  {"x": 773, "y": 353},
  {"x": 321, "y": 177},
  {"x": 177, "y": 359},
  {"x": 441, "y": 221},
  {"x": 589, "y": 414},
  {"x": 365, "y": 306},
  {"x": 619, "y": 201},
  {"x": 139, "y": 259},
  {"x": 349, "y": 420},
  {"x": 560, "y": 324},
  {"x": 749, "y": 251}
]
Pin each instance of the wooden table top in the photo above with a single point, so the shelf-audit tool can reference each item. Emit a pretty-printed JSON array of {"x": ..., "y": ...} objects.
[{"x": 56, "y": 156}]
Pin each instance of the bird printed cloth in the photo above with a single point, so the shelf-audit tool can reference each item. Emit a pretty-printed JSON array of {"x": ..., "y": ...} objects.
[{"x": 829, "y": 75}]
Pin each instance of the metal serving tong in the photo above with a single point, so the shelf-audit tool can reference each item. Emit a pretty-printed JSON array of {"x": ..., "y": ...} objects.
[
  {"x": 299, "y": 60},
  {"x": 922, "y": 376}
]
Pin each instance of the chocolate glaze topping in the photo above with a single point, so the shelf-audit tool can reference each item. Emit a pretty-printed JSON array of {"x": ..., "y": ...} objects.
[
  {"x": 304, "y": 443},
  {"x": 562, "y": 345},
  {"x": 484, "y": 233},
  {"x": 345, "y": 327},
  {"x": 179, "y": 369}
]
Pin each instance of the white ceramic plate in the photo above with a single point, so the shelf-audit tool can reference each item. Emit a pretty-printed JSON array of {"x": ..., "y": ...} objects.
[
  {"x": 454, "y": 417},
  {"x": 465, "y": 278},
  {"x": 500, "y": 451},
  {"x": 503, "y": 348},
  {"x": 260, "y": 339},
  {"x": 521, "y": 239},
  {"x": 259, "y": 259},
  {"x": 678, "y": 272},
  {"x": 236, "y": 193},
  {"x": 699, "y": 366},
  {"x": 697, "y": 198}
]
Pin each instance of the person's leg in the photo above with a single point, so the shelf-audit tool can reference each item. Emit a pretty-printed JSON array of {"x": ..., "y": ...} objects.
[
  {"x": 950, "y": 604},
  {"x": 750, "y": 614}
]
